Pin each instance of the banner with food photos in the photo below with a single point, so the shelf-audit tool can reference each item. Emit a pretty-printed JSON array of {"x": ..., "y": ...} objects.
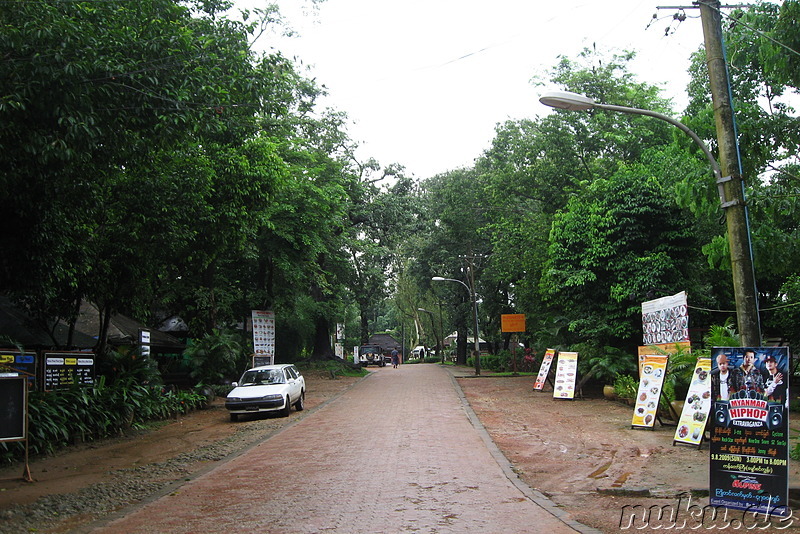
[
  {"x": 566, "y": 371},
  {"x": 696, "y": 407},
  {"x": 654, "y": 368},
  {"x": 665, "y": 320},
  {"x": 544, "y": 369},
  {"x": 263, "y": 332},
  {"x": 750, "y": 429}
]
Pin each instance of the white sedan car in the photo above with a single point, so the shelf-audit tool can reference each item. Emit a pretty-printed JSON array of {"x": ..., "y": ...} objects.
[{"x": 268, "y": 388}]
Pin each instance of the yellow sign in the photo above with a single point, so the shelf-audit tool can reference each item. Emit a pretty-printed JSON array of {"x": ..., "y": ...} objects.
[{"x": 512, "y": 322}]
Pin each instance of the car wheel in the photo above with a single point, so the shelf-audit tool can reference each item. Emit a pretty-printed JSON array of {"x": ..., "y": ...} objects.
[
  {"x": 234, "y": 417},
  {"x": 287, "y": 408},
  {"x": 301, "y": 402}
]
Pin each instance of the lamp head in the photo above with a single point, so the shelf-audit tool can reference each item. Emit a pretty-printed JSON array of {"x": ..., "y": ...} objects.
[
  {"x": 567, "y": 100},
  {"x": 437, "y": 279}
]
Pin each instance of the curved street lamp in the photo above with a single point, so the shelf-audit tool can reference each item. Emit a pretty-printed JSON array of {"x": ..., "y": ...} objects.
[
  {"x": 744, "y": 286},
  {"x": 475, "y": 311}
]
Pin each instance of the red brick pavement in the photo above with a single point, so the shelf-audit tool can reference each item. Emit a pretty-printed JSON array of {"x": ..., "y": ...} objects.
[{"x": 399, "y": 452}]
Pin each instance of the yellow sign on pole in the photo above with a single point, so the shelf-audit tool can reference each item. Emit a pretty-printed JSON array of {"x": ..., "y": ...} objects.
[{"x": 512, "y": 322}]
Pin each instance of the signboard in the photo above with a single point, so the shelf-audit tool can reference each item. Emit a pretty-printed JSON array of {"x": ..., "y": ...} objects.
[
  {"x": 645, "y": 411},
  {"x": 544, "y": 369},
  {"x": 696, "y": 407},
  {"x": 749, "y": 437},
  {"x": 13, "y": 407},
  {"x": 19, "y": 361},
  {"x": 263, "y": 332},
  {"x": 63, "y": 369},
  {"x": 665, "y": 320},
  {"x": 512, "y": 322},
  {"x": 144, "y": 342},
  {"x": 566, "y": 371}
]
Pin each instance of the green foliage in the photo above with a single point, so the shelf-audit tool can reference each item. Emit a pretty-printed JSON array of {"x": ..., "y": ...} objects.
[
  {"x": 625, "y": 387},
  {"x": 216, "y": 357},
  {"x": 724, "y": 335},
  {"x": 604, "y": 364},
  {"x": 88, "y": 413}
]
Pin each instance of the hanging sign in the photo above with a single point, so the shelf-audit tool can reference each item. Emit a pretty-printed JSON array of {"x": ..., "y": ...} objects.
[
  {"x": 665, "y": 320},
  {"x": 566, "y": 371},
  {"x": 654, "y": 367},
  {"x": 544, "y": 369},
  {"x": 696, "y": 407},
  {"x": 263, "y": 332},
  {"x": 749, "y": 438}
]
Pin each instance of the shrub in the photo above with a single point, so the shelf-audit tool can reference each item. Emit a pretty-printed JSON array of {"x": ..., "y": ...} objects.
[{"x": 625, "y": 387}]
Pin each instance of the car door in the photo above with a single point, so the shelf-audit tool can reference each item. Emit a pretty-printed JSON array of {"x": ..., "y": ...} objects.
[{"x": 294, "y": 384}]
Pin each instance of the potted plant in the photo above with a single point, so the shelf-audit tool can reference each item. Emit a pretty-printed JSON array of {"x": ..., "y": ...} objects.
[
  {"x": 625, "y": 388},
  {"x": 607, "y": 365}
]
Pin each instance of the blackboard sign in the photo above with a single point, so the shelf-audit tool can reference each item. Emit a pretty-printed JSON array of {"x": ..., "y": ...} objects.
[
  {"x": 19, "y": 361},
  {"x": 13, "y": 407},
  {"x": 63, "y": 369}
]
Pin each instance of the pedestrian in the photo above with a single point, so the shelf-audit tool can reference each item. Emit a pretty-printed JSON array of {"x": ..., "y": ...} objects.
[{"x": 395, "y": 358}]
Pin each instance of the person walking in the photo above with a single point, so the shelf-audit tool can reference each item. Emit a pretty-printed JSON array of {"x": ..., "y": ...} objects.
[{"x": 395, "y": 358}]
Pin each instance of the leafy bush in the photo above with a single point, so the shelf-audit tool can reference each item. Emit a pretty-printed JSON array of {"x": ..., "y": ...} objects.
[
  {"x": 604, "y": 364},
  {"x": 625, "y": 387},
  {"x": 217, "y": 356},
  {"x": 57, "y": 418}
]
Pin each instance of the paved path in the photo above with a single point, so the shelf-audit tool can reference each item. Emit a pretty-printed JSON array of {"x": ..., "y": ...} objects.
[{"x": 396, "y": 453}]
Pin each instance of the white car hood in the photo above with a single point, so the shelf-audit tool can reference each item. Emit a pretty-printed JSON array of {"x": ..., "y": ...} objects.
[{"x": 254, "y": 392}]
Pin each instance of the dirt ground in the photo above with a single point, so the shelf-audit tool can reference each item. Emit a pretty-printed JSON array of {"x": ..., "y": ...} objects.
[{"x": 582, "y": 454}]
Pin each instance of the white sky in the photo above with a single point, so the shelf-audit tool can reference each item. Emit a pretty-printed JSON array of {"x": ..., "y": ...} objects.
[{"x": 424, "y": 82}]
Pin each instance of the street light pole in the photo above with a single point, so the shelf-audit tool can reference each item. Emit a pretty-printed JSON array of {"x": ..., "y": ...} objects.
[
  {"x": 744, "y": 287},
  {"x": 474, "y": 298}
]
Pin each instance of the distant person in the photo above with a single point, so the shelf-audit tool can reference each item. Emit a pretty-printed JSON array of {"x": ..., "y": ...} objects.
[
  {"x": 721, "y": 386},
  {"x": 747, "y": 377},
  {"x": 774, "y": 384},
  {"x": 395, "y": 358}
]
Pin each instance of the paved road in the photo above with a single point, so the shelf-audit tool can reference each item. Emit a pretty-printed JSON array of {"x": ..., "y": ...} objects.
[{"x": 399, "y": 452}]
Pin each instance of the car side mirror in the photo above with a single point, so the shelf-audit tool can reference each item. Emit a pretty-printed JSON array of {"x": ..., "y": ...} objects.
[{"x": 234, "y": 384}]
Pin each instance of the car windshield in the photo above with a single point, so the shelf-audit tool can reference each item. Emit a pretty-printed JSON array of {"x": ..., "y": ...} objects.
[{"x": 262, "y": 377}]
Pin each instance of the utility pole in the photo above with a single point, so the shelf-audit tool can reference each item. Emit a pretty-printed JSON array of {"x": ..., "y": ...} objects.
[{"x": 732, "y": 185}]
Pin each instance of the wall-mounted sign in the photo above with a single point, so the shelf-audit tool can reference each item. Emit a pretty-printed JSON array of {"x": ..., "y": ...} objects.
[
  {"x": 750, "y": 431},
  {"x": 64, "y": 369},
  {"x": 645, "y": 411},
  {"x": 544, "y": 369},
  {"x": 566, "y": 372},
  {"x": 696, "y": 407}
]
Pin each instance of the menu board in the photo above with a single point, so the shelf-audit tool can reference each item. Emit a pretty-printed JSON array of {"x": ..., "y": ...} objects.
[
  {"x": 263, "y": 332},
  {"x": 566, "y": 370},
  {"x": 750, "y": 431},
  {"x": 20, "y": 361},
  {"x": 544, "y": 369},
  {"x": 653, "y": 367},
  {"x": 696, "y": 407},
  {"x": 64, "y": 369}
]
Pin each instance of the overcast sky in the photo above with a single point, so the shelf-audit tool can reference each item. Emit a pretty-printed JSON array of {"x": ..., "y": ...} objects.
[{"x": 424, "y": 82}]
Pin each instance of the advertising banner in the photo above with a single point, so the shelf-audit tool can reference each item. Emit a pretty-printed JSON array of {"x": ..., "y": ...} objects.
[
  {"x": 749, "y": 439},
  {"x": 566, "y": 371},
  {"x": 544, "y": 369},
  {"x": 665, "y": 320},
  {"x": 694, "y": 416},
  {"x": 654, "y": 367},
  {"x": 263, "y": 332}
]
